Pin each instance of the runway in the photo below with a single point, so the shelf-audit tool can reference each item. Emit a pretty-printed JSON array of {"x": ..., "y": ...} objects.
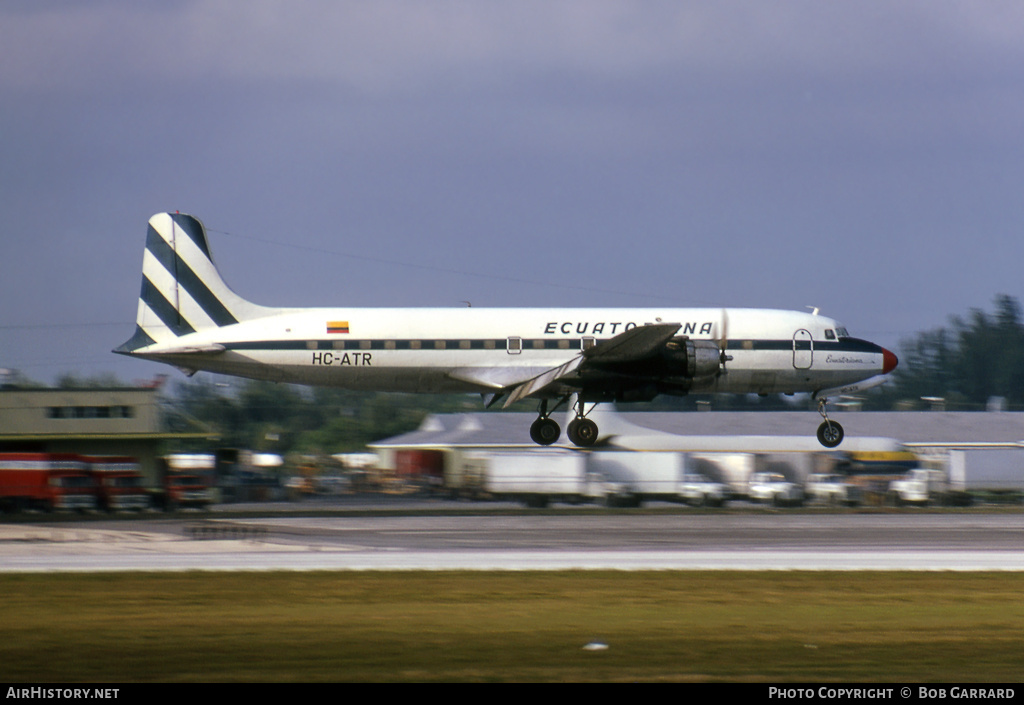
[{"x": 758, "y": 541}]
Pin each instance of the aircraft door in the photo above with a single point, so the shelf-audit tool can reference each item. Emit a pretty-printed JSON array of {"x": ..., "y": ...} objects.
[{"x": 803, "y": 349}]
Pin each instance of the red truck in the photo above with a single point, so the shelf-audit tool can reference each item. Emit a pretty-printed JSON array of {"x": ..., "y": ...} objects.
[
  {"x": 186, "y": 481},
  {"x": 119, "y": 483},
  {"x": 45, "y": 481}
]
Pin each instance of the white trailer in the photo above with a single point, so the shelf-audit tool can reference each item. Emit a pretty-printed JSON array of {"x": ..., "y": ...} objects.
[
  {"x": 631, "y": 478},
  {"x": 535, "y": 477}
]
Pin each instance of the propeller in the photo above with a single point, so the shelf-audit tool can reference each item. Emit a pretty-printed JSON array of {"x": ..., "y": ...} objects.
[{"x": 723, "y": 341}]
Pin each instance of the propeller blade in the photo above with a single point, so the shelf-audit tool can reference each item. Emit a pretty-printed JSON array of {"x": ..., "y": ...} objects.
[{"x": 723, "y": 340}]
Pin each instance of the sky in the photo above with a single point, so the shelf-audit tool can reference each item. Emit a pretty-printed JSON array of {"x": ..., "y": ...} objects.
[{"x": 865, "y": 158}]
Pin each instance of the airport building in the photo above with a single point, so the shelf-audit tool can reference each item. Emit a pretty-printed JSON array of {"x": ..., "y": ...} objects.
[
  {"x": 978, "y": 449},
  {"x": 117, "y": 421}
]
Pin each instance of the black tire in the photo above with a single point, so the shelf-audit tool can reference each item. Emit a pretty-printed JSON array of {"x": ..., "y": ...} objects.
[
  {"x": 583, "y": 432},
  {"x": 830, "y": 434},
  {"x": 545, "y": 431}
]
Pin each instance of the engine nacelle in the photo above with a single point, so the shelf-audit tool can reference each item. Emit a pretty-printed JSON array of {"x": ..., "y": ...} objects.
[{"x": 699, "y": 358}]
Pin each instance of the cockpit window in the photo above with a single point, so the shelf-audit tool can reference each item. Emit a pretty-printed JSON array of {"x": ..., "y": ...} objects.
[
  {"x": 830, "y": 334},
  {"x": 843, "y": 333}
]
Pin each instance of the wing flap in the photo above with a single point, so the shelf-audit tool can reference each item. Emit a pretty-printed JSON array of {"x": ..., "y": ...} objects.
[
  {"x": 542, "y": 381},
  {"x": 495, "y": 378}
]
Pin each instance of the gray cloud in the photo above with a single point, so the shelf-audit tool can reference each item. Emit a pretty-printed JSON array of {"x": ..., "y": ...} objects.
[{"x": 864, "y": 157}]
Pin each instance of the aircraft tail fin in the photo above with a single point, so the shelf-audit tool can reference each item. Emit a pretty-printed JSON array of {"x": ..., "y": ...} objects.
[{"x": 182, "y": 291}]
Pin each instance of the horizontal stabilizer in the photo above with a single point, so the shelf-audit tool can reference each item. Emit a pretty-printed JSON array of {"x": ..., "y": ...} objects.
[{"x": 212, "y": 349}]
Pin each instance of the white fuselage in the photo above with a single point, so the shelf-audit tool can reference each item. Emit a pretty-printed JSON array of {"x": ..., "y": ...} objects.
[{"x": 482, "y": 350}]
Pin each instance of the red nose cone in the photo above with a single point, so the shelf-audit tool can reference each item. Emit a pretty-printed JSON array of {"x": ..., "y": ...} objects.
[{"x": 889, "y": 362}]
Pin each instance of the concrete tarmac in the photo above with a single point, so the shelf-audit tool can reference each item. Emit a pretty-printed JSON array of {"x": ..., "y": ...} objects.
[{"x": 967, "y": 541}]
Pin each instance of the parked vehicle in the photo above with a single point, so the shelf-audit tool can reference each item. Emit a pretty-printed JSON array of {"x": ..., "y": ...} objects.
[
  {"x": 45, "y": 481},
  {"x": 186, "y": 481},
  {"x": 832, "y": 489},
  {"x": 922, "y": 487},
  {"x": 698, "y": 491},
  {"x": 186, "y": 490},
  {"x": 657, "y": 476},
  {"x": 773, "y": 488},
  {"x": 119, "y": 483},
  {"x": 536, "y": 480},
  {"x": 611, "y": 478}
]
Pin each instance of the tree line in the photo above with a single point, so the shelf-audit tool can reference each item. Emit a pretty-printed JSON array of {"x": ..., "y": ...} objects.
[{"x": 968, "y": 363}]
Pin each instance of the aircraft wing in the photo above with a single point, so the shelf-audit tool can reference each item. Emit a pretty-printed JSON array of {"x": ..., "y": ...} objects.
[{"x": 635, "y": 345}]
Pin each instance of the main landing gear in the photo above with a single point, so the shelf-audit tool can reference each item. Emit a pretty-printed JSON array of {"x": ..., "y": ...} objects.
[
  {"x": 582, "y": 431},
  {"x": 830, "y": 433},
  {"x": 545, "y": 430}
]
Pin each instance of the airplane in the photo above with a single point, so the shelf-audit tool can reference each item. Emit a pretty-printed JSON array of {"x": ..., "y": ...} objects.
[{"x": 189, "y": 318}]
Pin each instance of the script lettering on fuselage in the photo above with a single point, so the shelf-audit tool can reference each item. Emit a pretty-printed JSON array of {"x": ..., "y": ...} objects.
[
  {"x": 615, "y": 327},
  {"x": 845, "y": 360},
  {"x": 347, "y": 359}
]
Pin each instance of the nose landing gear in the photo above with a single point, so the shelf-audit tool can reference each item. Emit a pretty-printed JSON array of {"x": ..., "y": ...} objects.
[{"x": 830, "y": 433}]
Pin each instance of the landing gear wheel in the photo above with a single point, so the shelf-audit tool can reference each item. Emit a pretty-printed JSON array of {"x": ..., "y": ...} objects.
[
  {"x": 545, "y": 431},
  {"x": 830, "y": 434},
  {"x": 583, "y": 432}
]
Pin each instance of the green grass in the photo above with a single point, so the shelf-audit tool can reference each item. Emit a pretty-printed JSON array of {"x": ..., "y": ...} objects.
[{"x": 477, "y": 626}]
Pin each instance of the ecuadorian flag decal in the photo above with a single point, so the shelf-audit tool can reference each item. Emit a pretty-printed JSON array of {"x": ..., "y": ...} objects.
[{"x": 334, "y": 327}]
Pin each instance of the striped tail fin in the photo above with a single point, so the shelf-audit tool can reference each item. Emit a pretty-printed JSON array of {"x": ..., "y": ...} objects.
[{"x": 182, "y": 291}]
